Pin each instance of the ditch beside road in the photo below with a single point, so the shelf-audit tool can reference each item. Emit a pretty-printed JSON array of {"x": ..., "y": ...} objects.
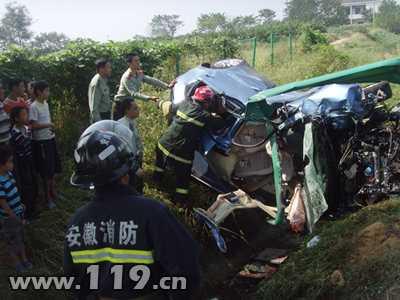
[{"x": 247, "y": 233}]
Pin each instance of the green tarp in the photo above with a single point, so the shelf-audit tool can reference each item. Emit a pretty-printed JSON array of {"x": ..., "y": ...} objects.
[
  {"x": 314, "y": 182},
  {"x": 384, "y": 70}
]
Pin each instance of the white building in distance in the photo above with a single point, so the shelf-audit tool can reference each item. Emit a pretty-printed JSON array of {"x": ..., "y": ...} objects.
[{"x": 355, "y": 7}]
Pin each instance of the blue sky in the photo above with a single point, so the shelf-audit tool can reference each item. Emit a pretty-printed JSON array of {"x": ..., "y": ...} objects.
[{"x": 120, "y": 20}]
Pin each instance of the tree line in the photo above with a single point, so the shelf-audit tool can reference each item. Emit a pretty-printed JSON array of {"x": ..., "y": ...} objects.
[
  {"x": 14, "y": 30},
  {"x": 319, "y": 14}
]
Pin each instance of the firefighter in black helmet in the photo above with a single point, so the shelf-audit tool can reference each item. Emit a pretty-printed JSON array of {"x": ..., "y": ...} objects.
[{"x": 122, "y": 245}]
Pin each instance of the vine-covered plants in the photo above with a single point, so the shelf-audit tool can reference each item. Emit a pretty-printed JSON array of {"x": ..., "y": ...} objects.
[{"x": 70, "y": 70}]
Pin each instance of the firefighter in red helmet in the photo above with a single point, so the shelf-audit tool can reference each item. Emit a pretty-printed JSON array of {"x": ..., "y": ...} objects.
[{"x": 176, "y": 147}]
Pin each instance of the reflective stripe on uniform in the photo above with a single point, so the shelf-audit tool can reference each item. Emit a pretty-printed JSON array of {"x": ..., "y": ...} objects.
[
  {"x": 181, "y": 191},
  {"x": 165, "y": 151},
  {"x": 189, "y": 119},
  {"x": 164, "y": 105},
  {"x": 113, "y": 255},
  {"x": 158, "y": 169}
]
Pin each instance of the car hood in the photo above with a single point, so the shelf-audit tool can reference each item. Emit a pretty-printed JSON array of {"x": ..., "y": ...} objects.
[{"x": 238, "y": 82}]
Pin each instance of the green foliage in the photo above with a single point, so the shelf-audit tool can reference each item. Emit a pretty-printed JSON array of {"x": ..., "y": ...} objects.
[
  {"x": 332, "y": 13},
  {"x": 363, "y": 28},
  {"x": 325, "y": 60},
  {"x": 71, "y": 120},
  {"x": 347, "y": 30},
  {"x": 14, "y": 63},
  {"x": 211, "y": 22},
  {"x": 165, "y": 25},
  {"x": 46, "y": 43},
  {"x": 310, "y": 39},
  {"x": 266, "y": 16},
  {"x": 301, "y": 10},
  {"x": 388, "y": 40},
  {"x": 14, "y": 25},
  {"x": 328, "y": 12},
  {"x": 242, "y": 22},
  {"x": 368, "y": 36},
  {"x": 262, "y": 32},
  {"x": 388, "y": 16},
  {"x": 368, "y": 15}
]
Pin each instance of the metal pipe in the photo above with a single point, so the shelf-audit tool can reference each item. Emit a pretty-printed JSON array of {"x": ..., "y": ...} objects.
[{"x": 272, "y": 48}]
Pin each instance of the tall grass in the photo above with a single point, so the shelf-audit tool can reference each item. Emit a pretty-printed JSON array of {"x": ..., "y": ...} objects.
[{"x": 360, "y": 49}]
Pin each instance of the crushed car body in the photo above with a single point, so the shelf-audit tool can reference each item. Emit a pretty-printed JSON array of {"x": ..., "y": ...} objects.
[{"x": 337, "y": 139}]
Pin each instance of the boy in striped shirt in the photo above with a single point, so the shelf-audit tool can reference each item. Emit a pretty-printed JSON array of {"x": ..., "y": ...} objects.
[
  {"x": 21, "y": 141},
  {"x": 11, "y": 212}
]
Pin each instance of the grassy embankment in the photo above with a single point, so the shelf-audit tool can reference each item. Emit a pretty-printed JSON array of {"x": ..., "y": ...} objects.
[
  {"x": 45, "y": 236},
  {"x": 369, "y": 262}
]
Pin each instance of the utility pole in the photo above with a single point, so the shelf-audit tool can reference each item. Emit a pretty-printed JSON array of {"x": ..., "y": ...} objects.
[{"x": 373, "y": 13}]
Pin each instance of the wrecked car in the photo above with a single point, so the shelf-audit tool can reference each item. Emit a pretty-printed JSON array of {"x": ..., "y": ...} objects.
[{"x": 337, "y": 140}]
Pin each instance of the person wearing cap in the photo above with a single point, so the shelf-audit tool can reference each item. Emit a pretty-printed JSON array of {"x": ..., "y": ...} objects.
[
  {"x": 122, "y": 245},
  {"x": 175, "y": 148},
  {"x": 99, "y": 92}
]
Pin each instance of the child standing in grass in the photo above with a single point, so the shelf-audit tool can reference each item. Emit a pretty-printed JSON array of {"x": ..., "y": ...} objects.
[
  {"x": 11, "y": 212},
  {"x": 21, "y": 138},
  {"x": 44, "y": 144}
]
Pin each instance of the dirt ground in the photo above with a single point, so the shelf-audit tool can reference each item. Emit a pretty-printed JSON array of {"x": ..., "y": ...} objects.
[
  {"x": 375, "y": 240},
  {"x": 371, "y": 241}
]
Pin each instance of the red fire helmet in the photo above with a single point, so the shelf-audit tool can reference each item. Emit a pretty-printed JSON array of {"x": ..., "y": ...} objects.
[{"x": 203, "y": 94}]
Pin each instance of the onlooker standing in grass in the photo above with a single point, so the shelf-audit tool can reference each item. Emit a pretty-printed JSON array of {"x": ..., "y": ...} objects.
[
  {"x": 11, "y": 213},
  {"x": 131, "y": 109},
  {"x": 130, "y": 84},
  {"x": 4, "y": 120},
  {"x": 21, "y": 138},
  {"x": 15, "y": 98},
  {"x": 99, "y": 92},
  {"x": 44, "y": 144}
]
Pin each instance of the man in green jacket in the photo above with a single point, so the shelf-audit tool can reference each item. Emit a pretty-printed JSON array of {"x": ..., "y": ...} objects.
[
  {"x": 130, "y": 84},
  {"x": 176, "y": 147},
  {"x": 99, "y": 92}
]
